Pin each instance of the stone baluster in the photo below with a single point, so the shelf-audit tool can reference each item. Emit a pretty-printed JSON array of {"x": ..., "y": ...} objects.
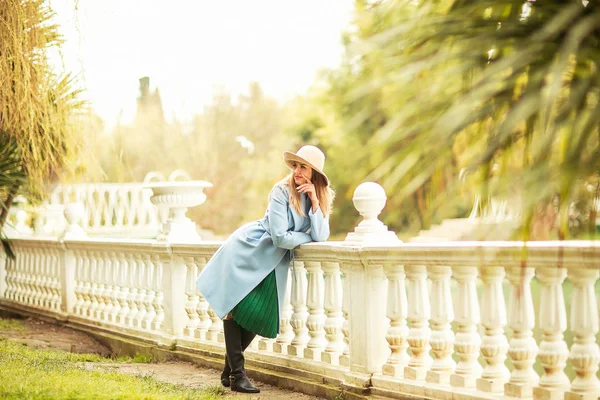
[
  {"x": 523, "y": 348},
  {"x": 419, "y": 313},
  {"x": 396, "y": 311},
  {"x": 467, "y": 342},
  {"x": 216, "y": 326},
  {"x": 202, "y": 305},
  {"x": 585, "y": 354},
  {"x": 124, "y": 292},
  {"x": 16, "y": 276},
  {"x": 27, "y": 279},
  {"x": 79, "y": 256},
  {"x": 65, "y": 266},
  {"x": 140, "y": 283},
  {"x": 159, "y": 297},
  {"x": 494, "y": 345},
  {"x": 28, "y": 276},
  {"x": 333, "y": 311},
  {"x": 101, "y": 285},
  {"x": 52, "y": 284},
  {"x": 316, "y": 318},
  {"x": 47, "y": 261},
  {"x": 345, "y": 357},
  {"x": 115, "y": 289},
  {"x": 300, "y": 314},
  {"x": 38, "y": 280},
  {"x": 55, "y": 284},
  {"x": 442, "y": 315},
  {"x": 93, "y": 279},
  {"x": 150, "y": 286},
  {"x": 35, "y": 292},
  {"x": 191, "y": 302},
  {"x": 133, "y": 290},
  {"x": 22, "y": 263},
  {"x": 87, "y": 286},
  {"x": 286, "y": 333},
  {"x": 6, "y": 280}
]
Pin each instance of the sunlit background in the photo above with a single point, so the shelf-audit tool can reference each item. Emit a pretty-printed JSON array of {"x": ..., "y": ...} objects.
[
  {"x": 468, "y": 114},
  {"x": 193, "y": 49}
]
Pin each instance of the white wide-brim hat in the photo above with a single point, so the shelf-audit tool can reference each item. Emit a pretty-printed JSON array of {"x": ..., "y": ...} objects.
[{"x": 309, "y": 155}]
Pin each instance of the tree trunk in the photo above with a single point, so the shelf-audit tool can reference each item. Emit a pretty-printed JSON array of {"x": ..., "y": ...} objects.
[{"x": 12, "y": 192}]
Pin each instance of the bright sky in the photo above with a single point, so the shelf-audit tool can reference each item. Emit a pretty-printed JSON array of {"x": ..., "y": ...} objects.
[{"x": 192, "y": 48}]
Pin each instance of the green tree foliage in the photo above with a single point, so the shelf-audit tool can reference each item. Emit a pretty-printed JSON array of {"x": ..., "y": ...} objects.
[
  {"x": 37, "y": 128},
  {"x": 505, "y": 91},
  {"x": 211, "y": 148}
]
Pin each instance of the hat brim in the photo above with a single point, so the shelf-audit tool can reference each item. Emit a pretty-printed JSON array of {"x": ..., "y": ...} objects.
[{"x": 289, "y": 158}]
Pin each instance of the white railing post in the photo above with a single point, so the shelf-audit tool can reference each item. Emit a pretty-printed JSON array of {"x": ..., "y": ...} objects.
[
  {"x": 299, "y": 315},
  {"x": 86, "y": 276},
  {"x": 286, "y": 333},
  {"x": 367, "y": 291},
  {"x": 173, "y": 288},
  {"x": 333, "y": 311},
  {"x": 108, "y": 288},
  {"x": 202, "y": 306},
  {"x": 419, "y": 312},
  {"x": 116, "y": 287},
  {"x": 396, "y": 311},
  {"x": 553, "y": 351},
  {"x": 442, "y": 315},
  {"x": 150, "y": 286},
  {"x": 493, "y": 318},
  {"x": 158, "y": 285},
  {"x": 133, "y": 290},
  {"x": 468, "y": 342},
  {"x": 142, "y": 270},
  {"x": 191, "y": 294},
  {"x": 316, "y": 317},
  {"x": 124, "y": 285},
  {"x": 101, "y": 288},
  {"x": 68, "y": 264},
  {"x": 585, "y": 354},
  {"x": 523, "y": 347}
]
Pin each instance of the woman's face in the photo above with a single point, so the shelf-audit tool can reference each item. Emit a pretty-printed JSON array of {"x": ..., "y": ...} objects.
[{"x": 301, "y": 172}]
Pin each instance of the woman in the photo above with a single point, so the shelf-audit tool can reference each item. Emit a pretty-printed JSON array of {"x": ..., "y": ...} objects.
[{"x": 245, "y": 280}]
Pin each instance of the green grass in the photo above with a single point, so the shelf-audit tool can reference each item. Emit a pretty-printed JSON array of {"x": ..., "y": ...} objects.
[
  {"x": 27, "y": 373},
  {"x": 15, "y": 325}
]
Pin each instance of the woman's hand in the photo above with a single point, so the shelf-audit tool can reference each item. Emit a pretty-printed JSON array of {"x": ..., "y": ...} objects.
[{"x": 309, "y": 189}]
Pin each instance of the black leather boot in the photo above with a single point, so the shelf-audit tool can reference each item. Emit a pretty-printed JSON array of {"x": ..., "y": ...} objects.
[
  {"x": 235, "y": 357},
  {"x": 247, "y": 338}
]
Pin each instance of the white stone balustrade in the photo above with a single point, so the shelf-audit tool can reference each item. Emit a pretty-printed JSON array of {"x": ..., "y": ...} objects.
[
  {"x": 367, "y": 314},
  {"x": 111, "y": 208}
]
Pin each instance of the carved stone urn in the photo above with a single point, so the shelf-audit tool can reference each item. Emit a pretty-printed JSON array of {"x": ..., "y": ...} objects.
[{"x": 178, "y": 196}]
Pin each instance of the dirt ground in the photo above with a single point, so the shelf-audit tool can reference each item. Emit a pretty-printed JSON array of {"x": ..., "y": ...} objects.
[{"x": 41, "y": 335}]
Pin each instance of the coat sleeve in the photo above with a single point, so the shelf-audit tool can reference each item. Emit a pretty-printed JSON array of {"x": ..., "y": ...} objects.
[
  {"x": 319, "y": 225},
  {"x": 278, "y": 222}
]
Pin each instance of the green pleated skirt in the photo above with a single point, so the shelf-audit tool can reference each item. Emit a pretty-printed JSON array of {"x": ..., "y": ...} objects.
[{"x": 258, "y": 312}]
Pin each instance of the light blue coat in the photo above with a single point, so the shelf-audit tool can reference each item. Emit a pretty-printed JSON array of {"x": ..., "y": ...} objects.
[{"x": 257, "y": 248}]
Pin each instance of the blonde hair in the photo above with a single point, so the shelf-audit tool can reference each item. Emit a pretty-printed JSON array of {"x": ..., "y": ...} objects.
[{"x": 324, "y": 193}]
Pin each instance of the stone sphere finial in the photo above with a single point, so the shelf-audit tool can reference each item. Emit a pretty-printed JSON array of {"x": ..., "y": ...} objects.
[
  {"x": 74, "y": 213},
  {"x": 369, "y": 199}
]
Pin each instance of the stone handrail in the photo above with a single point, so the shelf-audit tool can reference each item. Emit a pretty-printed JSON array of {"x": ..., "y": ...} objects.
[
  {"x": 111, "y": 208},
  {"x": 370, "y": 314},
  {"x": 377, "y": 317}
]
